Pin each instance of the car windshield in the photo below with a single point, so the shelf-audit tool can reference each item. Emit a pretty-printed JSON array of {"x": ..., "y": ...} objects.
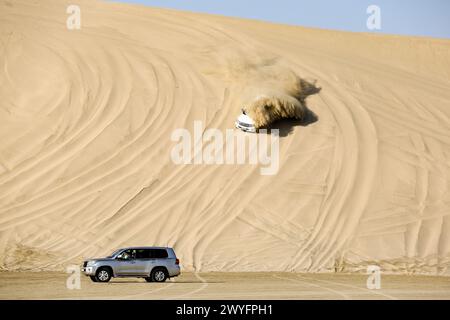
[{"x": 114, "y": 253}]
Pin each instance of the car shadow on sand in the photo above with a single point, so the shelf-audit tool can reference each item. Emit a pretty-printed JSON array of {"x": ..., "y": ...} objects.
[{"x": 286, "y": 126}]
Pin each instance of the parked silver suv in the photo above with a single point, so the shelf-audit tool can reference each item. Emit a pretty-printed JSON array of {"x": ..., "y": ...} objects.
[{"x": 151, "y": 263}]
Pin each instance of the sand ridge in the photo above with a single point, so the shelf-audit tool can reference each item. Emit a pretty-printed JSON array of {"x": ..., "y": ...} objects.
[{"x": 86, "y": 118}]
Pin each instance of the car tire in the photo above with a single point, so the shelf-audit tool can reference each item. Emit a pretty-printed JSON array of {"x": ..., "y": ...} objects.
[
  {"x": 159, "y": 275},
  {"x": 93, "y": 278},
  {"x": 103, "y": 275}
]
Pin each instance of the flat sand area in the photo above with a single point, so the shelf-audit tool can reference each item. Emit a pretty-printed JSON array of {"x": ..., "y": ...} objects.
[{"x": 270, "y": 285}]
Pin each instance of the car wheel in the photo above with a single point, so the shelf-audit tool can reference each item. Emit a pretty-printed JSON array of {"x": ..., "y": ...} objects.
[
  {"x": 93, "y": 278},
  {"x": 159, "y": 275},
  {"x": 103, "y": 275}
]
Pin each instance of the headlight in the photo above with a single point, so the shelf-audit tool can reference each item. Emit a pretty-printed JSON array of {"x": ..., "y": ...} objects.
[{"x": 90, "y": 263}]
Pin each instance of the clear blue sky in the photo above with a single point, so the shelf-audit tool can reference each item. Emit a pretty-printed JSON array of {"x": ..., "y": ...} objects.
[{"x": 409, "y": 17}]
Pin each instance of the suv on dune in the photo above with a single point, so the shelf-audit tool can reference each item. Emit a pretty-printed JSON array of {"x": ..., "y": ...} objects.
[
  {"x": 154, "y": 264},
  {"x": 245, "y": 123}
]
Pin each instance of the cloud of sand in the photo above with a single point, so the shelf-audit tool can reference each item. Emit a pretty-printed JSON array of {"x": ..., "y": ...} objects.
[
  {"x": 276, "y": 99},
  {"x": 270, "y": 91}
]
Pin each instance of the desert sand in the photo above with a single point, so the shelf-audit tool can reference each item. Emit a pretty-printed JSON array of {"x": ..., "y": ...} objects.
[
  {"x": 228, "y": 286},
  {"x": 86, "y": 118}
]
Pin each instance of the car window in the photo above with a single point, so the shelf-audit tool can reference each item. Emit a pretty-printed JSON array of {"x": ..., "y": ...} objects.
[
  {"x": 129, "y": 254},
  {"x": 143, "y": 254},
  {"x": 159, "y": 253}
]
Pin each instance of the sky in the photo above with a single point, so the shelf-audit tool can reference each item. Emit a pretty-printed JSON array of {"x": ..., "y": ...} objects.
[{"x": 408, "y": 17}]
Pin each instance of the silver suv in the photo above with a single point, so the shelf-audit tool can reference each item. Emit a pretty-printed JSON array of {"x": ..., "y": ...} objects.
[{"x": 151, "y": 263}]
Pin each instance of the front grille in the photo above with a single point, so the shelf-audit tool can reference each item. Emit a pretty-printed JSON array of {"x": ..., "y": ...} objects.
[
  {"x": 245, "y": 124},
  {"x": 84, "y": 264}
]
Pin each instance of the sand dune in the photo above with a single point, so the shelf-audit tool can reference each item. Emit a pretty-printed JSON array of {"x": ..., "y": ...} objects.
[{"x": 86, "y": 118}]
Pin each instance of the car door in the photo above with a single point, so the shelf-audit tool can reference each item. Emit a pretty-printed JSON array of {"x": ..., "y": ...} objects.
[
  {"x": 126, "y": 263},
  {"x": 159, "y": 257},
  {"x": 144, "y": 262}
]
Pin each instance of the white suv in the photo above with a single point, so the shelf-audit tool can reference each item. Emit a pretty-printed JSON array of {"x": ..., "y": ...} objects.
[{"x": 245, "y": 123}]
